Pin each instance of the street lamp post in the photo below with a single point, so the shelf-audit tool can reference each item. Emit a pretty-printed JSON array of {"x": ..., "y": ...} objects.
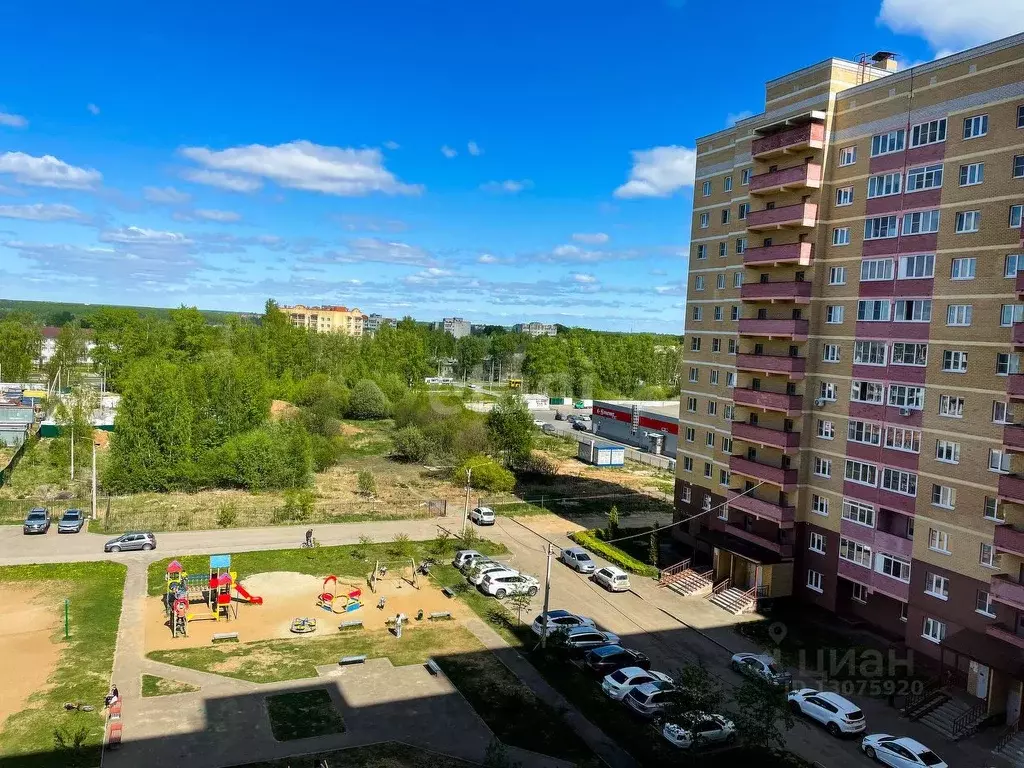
[
  {"x": 465, "y": 513},
  {"x": 94, "y": 480}
]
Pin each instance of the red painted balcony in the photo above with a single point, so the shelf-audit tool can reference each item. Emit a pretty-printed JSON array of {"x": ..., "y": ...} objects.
[
  {"x": 1011, "y": 488},
  {"x": 784, "y": 516},
  {"x": 772, "y": 255},
  {"x": 808, "y": 136},
  {"x": 780, "y": 328},
  {"x": 1013, "y": 437},
  {"x": 784, "y": 478},
  {"x": 1009, "y": 539},
  {"x": 1007, "y": 590},
  {"x": 785, "y": 550},
  {"x": 800, "y": 292},
  {"x": 1015, "y": 386},
  {"x": 798, "y": 215},
  {"x": 1020, "y": 284},
  {"x": 1018, "y": 334},
  {"x": 805, "y": 176},
  {"x": 1004, "y": 633},
  {"x": 894, "y": 545},
  {"x": 792, "y": 367},
  {"x": 768, "y": 401},
  {"x": 786, "y": 441}
]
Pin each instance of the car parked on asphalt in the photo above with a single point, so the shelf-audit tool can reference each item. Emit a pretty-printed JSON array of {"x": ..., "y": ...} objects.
[
  {"x": 761, "y": 666},
  {"x": 483, "y": 570},
  {"x": 134, "y": 540},
  {"x": 36, "y": 521},
  {"x": 578, "y": 559},
  {"x": 622, "y": 681},
  {"x": 482, "y": 516},
  {"x": 579, "y": 640},
  {"x": 608, "y": 658},
  {"x": 699, "y": 729},
  {"x": 900, "y": 752},
  {"x": 504, "y": 583},
  {"x": 613, "y": 579},
  {"x": 650, "y": 699},
  {"x": 539, "y": 423},
  {"x": 474, "y": 561},
  {"x": 463, "y": 555},
  {"x": 837, "y": 714},
  {"x": 559, "y": 619},
  {"x": 71, "y": 521},
  {"x": 559, "y": 415}
]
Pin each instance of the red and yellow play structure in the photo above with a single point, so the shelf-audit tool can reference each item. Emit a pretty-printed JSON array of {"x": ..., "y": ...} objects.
[
  {"x": 330, "y": 600},
  {"x": 185, "y": 591}
]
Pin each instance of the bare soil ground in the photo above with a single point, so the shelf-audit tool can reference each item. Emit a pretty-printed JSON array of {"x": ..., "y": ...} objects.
[
  {"x": 27, "y": 634},
  {"x": 282, "y": 409}
]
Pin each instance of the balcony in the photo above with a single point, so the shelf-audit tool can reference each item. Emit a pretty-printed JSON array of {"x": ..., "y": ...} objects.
[
  {"x": 1011, "y": 488},
  {"x": 798, "y": 215},
  {"x": 1013, "y": 437},
  {"x": 777, "y": 438},
  {"x": 784, "y": 478},
  {"x": 800, "y": 292},
  {"x": 805, "y": 176},
  {"x": 1007, "y": 590},
  {"x": 798, "y": 254},
  {"x": 768, "y": 401},
  {"x": 894, "y": 545},
  {"x": 1009, "y": 539},
  {"x": 784, "y": 550},
  {"x": 793, "y": 367},
  {"x": 780, "y": 328},
  {"x": 796, "y": 139},
  {"x": 784, "y": 516},
  {"x": 1004, "y": 633},
  {"x": 1015, "y": 386},
  {"x": 1018, "y": 334},
  {"x": 1020, "y": 284}
]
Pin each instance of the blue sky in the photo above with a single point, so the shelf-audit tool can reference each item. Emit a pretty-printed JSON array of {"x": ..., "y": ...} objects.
[{"x": 503, "y": 162}]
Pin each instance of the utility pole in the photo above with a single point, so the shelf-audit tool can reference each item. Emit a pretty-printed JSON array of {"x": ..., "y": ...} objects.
[
  {"x": 465, "y": 514},
  {"x": 94, "y": 480},
  {"x": 72, "y": 451},
  {"x": 547, "y": 595}
]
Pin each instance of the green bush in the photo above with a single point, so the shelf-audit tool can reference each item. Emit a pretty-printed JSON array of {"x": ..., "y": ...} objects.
[
  {"x": 368, "y": 401},
  {"x": 489, "y": 476},
  {"x": 588, "y": 540},
  {"x": 411, "y": 445}
]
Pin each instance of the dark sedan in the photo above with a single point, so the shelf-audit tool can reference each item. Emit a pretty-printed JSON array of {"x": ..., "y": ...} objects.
[{"x": 605, "y": 660}]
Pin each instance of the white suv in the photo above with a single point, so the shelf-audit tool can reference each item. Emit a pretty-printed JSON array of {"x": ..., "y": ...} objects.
[
  {"x": 506, "y": 583},
  {"x": 482, "y": 516},
  {"x": 483, "y": 570},
  {"x": 837, "y": 714}
]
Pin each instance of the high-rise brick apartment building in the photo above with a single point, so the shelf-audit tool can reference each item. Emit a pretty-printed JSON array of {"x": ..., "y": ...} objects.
[{"x": 851, "y": 382}]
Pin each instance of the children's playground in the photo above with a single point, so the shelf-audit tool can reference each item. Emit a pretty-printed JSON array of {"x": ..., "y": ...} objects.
[{"x": 200, "y": 608}]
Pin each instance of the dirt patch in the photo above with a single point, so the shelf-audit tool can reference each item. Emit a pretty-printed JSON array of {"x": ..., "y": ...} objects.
[
  {"x": 350, "y": 430},
  {"x": 101, "y": 438},
  {"x": 30, "y": 620},
  {"x": 282, "y": 409}
]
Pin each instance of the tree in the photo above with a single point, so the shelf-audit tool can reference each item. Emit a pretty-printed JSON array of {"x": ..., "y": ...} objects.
[
  {"x": 469, "y": 353},
  {"x": 496, "y": 756},
  {"x": 510, "y": 427},
  {"x": 368, "y": 402},
  {"x": 518, "y": 602},
  {"x": 367, "y": 483},
  {"x": 762, "y": 714},
  {"x": 696, "y": 690},
  {"x": 410, "y": 445},
  {"x": 68, "y": 353},
  {"x": 652, "y": 549},
  {"x": 190, "y": 333},
  {"x": 20, "y": 346},
  {"x": 613, "y": 521},
  {"x": 73, "y": 414},
  {"x": 485, "y": 475}
]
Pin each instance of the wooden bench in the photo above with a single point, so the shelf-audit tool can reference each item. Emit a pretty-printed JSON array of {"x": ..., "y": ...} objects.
[
  {"x": 224, "y": 636},
  {"x": 447, "y": 592},
  {"x": 347, "y": 660},
  {"x": 357, "y": 624},
  {"x": 439, "y": 615},
  {"x": 114, "y": 711},
  {"x": 432, "y": 667},
  {"x": 114, "y": 735}
]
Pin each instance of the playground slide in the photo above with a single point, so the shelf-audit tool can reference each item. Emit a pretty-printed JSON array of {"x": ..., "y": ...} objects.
[{"x": 244, "y": 594}]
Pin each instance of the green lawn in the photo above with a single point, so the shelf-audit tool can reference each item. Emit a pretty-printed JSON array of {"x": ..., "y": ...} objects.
[
  {"x": 388, "y": 755},
  {"x": 161, "y": 686},
  {"x": 83, "y": 671},
  {"x": 303, "y": 714}
]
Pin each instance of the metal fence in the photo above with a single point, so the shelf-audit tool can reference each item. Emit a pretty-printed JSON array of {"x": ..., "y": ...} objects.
[{"x": 13, "y": 511}]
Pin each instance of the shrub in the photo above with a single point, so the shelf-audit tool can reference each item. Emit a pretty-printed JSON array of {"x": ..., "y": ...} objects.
[
  {"x": 226, "y": 515},
  {"x": 588, "y": 540},
  {"x": 411, "y": 445},
  {"x": 367, "y": 483},
  {"x": 488, "y": 476},
  {"x": 268, "y": 457},
  {"x": 368, "y": 401},
  {"x": 325, "y": 451},
  {"x": 401, "y": 546}
]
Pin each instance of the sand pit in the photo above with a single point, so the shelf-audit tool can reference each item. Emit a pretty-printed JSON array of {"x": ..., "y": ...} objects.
[
  {"x": 287, "y": 596},
  {"x": 30, "y": 621}
]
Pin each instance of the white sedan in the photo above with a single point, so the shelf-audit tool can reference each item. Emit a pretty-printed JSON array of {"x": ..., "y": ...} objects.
[
  {"x": 539, "y": 423},
  {"x": 900, "y": 752},
  {"x": 699, "y": 729},
  {"x": 620, "y": 682}
]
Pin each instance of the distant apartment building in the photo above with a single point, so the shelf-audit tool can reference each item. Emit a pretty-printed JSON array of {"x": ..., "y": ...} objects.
[
  {"x": 373, "y": 323},
  {"x": 851, "y": 427},
  {"x": 536, "y": 329},
  {"x": 456, "y": 326},
  {"x": 329, "y": 319},
  {"x": 48, "y": 348}
]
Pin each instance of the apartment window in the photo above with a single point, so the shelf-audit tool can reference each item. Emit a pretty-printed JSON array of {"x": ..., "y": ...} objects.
[
  {"x": 822, "y": 467},
  {"x": 691, "y": 404},
  {"x": 726, "y": 445},
  {"x": 958, "y": 314},
  {"x": 920, "y": 222},
  {"x": 943, "y": 496},
  {"x": 714, "y": 377},
  {"x": 971, "y": 174},
  {"x": 741, "y": 242},
  {"x": 984, "y": 605},
  {"x": 814, "y": 579},
  {"x": 830, "y": 353},
  {"x": 924, "y": 177},
  {"x": 987, "y": 556},
  {"x": 1007, "y": 363},
  {"x": 718, "y": 316},
  {"x": 720, "y": 282},
  {"x": 712, "y": 407},
  {"x": 857, "y": 512},
  {"x": 728, "y": 415},
  {"x": 903, "y": 612},
  {"x": 1016, "y": 215},
  {"x": 708, "y": 472},
  {"x": 1002, "y": 413},
  {"x": 694, "y": 375},
  {"x": 893, "y": 566},
  {"x": 709, "y": 440},
  {"x": 737, "y": 279},
  {"x": 906, "y": 396},
  {"x": 933, "y": 630},
  {"x": 702, "y": 251},
  {"x": 705, "y": 220},
  {"x": 723, "y": 249},
  {"x": 898, "y": 481},
  {"x": 867, "y": 392},
  {"x": 854, "y": 552},
  {"x": 841, "y": 236},
  {"x": 936, "y": 586},
  {"x": 938, "y": 541},
  {"x": 858, "y": 593},
  {"x": 691, "y": 433},
  {"x": 869, "y": 352},
  {"x": 992, "y": 510},
  {"x": 1020, "y": 116},
  {"x": 951, "y": 406},
  {"x": 975, "y": 126},
  {"x": 864, "y": 432},
  {"x": 844, "y": 196},
  {"x": 1012, "y": 263},
  {"x": 885, "y": 184},
  {"x": 876, "y": 269},
  {"x": 816, "y": 542},
  {"x": 954, "y": 361},
  {"x": 913, "y": 311},
  {"x": 963, "y": 269},
  {"x": 745, "y": 176},
  {"x": 687, "y": 464},
  {"x": 684, "y": 495},
  {"x": 828, "y": 391},
  {"x": 1018, "y": 166},
  {"x": 732, "y": 346},
  {"x": 903, "y": 439},
  {"x": 698, "y": 283},
  {"x": 706, "y": 189},
  {"x": 819, "y": 505},
  {"x": 730, "y": 379},
  {"x": 874, "y": 310},
  {"x": 998, "y": 461},
  {"x": 723, "y": 479},
  {"x": 861, "y": 472},
  {"x": 834, "y": 314},
  {"x": 695, "y": 343},
  {"x": 697, "y": 313},
  {"x": 837, "y": 276},
  {"x": 826, "y": 429},
  {"x": 931, "y": 132},
  {"x": 847, "y": 156},
  {"x": 947, "y": 451},
  {"x": 743, "y": 210},
  {"x": 968, "y": 221},
  {"x": 886, "y": 143},
  {"x": 727, "y": 183},
  {"x": 909, "y": 353},
  {"x": 725, "y": 215},
  {"x": 880, "y": 227},
  {"x": 917, "y": 267}
]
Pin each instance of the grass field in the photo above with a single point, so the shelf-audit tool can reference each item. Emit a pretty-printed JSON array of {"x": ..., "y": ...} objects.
[
  {"x": 83, "y": 671},
  {"x": 161, "y": 686},
  {"x": 391, "y": 754},
  {"x": 303, "y": 714}
]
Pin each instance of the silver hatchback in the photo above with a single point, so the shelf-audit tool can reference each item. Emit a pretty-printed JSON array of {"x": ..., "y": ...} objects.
[{"x": 131, "y": 541}]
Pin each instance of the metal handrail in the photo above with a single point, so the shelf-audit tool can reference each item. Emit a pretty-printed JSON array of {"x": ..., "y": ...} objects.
[
  {"x": 721, "y": 586},
  {"x": 665, "y": 574},
  {"x": 1007, "y": 736},
  {"x": 914, "y": 699},
  {"x": 967, "y": 722}
]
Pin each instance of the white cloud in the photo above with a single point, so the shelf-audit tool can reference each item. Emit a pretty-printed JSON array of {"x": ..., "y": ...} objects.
[
  {"x": 427, "y": 276},
  {"x": 474, "y": 149},
  {"x": 143, "y": 236},
  {"x": 584, "y": 278},
  {"x": 12, "y": 121},
  {"x": 222, "y": 180},
  {"x": 372, "y": 249},
  {"x": 953, "y": 24},
  {"x": 211, "y": 214},
  {"x": 47, "y": 171},
  {"x": 487, "y": 258},
  {"x": 659, "y": 172},
  {"x": 734, "y": 117},
  {"x": 392, "y": 145},
  {"x": 591, "y": 238},
  {"x": 93, "y": 109},
  {"x": 166, "y": 195},
  {"x": 307, "y": 166},
  {"x": 448, "y": 152},
  {"x": 42, "y": 212},
  {"x": 507, "y": 187}
]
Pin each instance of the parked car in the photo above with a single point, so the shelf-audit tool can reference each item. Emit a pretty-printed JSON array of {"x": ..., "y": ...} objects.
[
  {"x": 582, "y": 426},
  {"x": 131, "y": 541},
  {"x": 71, "y": 521},
  {"x": 837, "y": 714},
  {"x": 539, "y": 423},
  {"x": 474, "y": 561},
  {"x": 482, "y": 516},
  {"x": 483, "y": 570},
  {"x": 613, "y": 579},
  {"x": 578, "y": 559},
  {"x": 648, "y": 700},
  {"x": 608, "y": 658},
  {"x": 699, "y": 728},
  {"x": 900, "y": 752},
  {"x": 463, "y": 555},
  {"x": 559, "y": 416},
  {"x": 559, "y": 619},
  {"x": 761, "y": 665},
  {"x": 509, "y": 583},
  {"x": 622, "y": 681},
  {"x": 579, "y": 640},
  {"x": 36, "y": 521}
]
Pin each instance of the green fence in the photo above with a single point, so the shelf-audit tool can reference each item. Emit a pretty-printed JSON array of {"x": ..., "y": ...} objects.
[{"x": 13, "y": 511}]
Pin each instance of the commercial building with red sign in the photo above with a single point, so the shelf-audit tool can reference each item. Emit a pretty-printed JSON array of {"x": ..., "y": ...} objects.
[{"x": 650, "y": 428}]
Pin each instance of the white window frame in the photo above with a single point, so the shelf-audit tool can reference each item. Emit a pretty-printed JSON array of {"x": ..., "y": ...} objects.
[
  {"x": 899, "y": 481},
  {"x": 864, "y": 432},
  {"x": 834, "y": 314},
  {"x": 954, "y": 361},
  {"x": 876, "y": 269},
  {"x": 858, "y": 512},
  {"x": 975, "y": 127},
  {"x": 933, "y": 630},
  {"x": 972, "y": 174},
  {"x": 814, "y": 581},
  {"x": 943, "y": 496},
  {"x": 870, "y": 353},
  {"x": 704, "y": 220},
  {"x": 826, "y": 429},
  {"x": 861, "y": 472},
  {"x": 936, "y": 586},
  {"x": 816, "y": 542},
  {"x": 920, "y": 266},
  {"x": 924, "y": 177},
  {"x": 841, "y": 236},
  {"x": 887, "y": 143},
  {"x": 898, "y": 567},
  {"x": 959, "y": 315},
  {"x": 947, "y": 451},
  {"x": 885, "y": 185},
  {"x": 881, "y": 227},
  {"x": 938, "y": 541},
  {"x": 999, "y": 461},
  {"x": 837, "y": 276},
  {"x": 819, "y": 505},
  {"x": 963, "y": 268},
  {"x": 844, "y": 196},
  {"x": 906, "y": 396},
  {"x": 705, "y": 189},
  {"x": 898, "y": 354},
  {"x": 847, "y": 156},
  {"x": 830, "y": 353},
  {"x": 822, "y": 467},
  {"x": 903, "y": 439},
  {"x": 856, "y": 552},
  {"x": 922, "y": 222},
  {"x": 871, "y": 392},
  {"x": 930, "y": 132},
  {"x": 828, "y": 391},
  {"x": 874, "y": 311},
  {"x": 858, "y": 593},
  {"x": 951, "y": 406},
  {"x": 968, "y": 222}
]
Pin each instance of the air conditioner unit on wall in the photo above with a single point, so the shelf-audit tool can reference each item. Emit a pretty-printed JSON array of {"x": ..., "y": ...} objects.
[
  {"x": 819, "y": 402},
  {"x": 904, "y": 411}
]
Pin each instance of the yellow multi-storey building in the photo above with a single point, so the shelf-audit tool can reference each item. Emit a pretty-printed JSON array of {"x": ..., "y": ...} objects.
[
  {"x": 327, "y": 319},
  {"x": 851, "y": 382}
]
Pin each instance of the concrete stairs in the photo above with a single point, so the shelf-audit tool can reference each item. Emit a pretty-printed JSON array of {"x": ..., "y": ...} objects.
[
  {"x": 1013, "y": 750},
  {"x": 946, "y": 718},
  {"x": 735, "y": 601},
  {"x": 690, "y": 583}
]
